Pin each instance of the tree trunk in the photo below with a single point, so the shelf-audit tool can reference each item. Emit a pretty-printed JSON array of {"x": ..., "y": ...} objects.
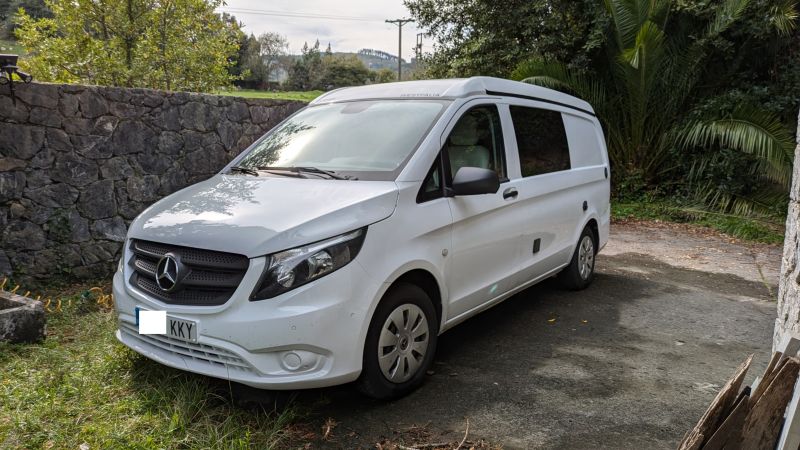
[{"x": 788, "y": 320}]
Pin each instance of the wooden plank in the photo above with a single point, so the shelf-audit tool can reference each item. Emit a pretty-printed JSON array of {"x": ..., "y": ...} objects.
[
  {"x": 719, "y": 409},
  {"x": 692, "y": 441},
  {"x": 769, "y": 375},
  {"x": 790, "y": 436},
  {"x": 729, "y": 435},
  {"x": 764, "y": 420}
]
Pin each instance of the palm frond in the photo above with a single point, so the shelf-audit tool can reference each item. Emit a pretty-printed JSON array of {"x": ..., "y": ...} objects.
[
  {"x": 648, "y": 42},
  {"x": 558, "y": 76},
  {"x": 625, "y": 15},
  {"x": 759, "y": 203},
  {"x": 749, "y": 130},
  {"x": 727, "y": 15},
  {"x": 783, "y": 17}
]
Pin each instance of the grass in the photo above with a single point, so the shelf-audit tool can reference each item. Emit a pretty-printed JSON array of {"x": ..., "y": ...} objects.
[
  {"x": 7, "y": 46},
  {"x": 767, "y": 230},
  {"x": 82, "y": 386},
  {"x": 277, "y": 95}
]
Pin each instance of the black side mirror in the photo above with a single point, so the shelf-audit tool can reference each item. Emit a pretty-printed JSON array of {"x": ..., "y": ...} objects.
[{"x": 475, "y": 181}]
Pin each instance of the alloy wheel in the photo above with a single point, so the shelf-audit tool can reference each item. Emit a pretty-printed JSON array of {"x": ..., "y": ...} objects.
[{"x": 586, "y": 257}]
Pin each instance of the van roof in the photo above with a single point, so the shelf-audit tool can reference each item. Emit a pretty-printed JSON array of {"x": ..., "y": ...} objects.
[{"x": 454, "y": 88}]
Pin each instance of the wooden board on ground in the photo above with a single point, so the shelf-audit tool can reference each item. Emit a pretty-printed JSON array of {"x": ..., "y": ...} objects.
[
  {"x": 769, "y": 375},
  {"x": 719, "y": 409},
  {"x": 729, "y": 435},
  {"x": 763, "y": 422}
]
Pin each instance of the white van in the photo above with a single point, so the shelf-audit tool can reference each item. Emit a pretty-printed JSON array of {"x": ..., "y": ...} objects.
[{"x": 339, "y": 246}]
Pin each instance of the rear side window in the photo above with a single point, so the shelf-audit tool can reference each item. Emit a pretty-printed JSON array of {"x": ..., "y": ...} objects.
[{"x": 541, "y": 140}]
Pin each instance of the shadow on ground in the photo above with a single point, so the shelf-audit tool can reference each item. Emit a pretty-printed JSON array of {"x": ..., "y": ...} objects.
[{"x": 630, "y": 362}]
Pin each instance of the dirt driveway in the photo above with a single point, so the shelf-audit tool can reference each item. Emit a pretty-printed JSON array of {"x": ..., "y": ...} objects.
[{"x": 631, "y": 362}]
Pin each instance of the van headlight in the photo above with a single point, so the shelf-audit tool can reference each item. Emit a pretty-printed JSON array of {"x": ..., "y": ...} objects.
[{"x": 293, "y": 268}]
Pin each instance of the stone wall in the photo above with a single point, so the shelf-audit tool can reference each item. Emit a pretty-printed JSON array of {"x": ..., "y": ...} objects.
[
  {"x": 78, "y": 163},
  {"x": 788, "y": 320}
]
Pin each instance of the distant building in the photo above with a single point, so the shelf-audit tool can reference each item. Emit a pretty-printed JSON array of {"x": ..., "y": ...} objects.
[{"x": 278, "y": 75}]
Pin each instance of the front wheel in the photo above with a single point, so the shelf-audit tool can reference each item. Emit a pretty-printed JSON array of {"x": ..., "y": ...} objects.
[
  {"x": 580, "y": 271},
  {"x": 400, "y": 344}
]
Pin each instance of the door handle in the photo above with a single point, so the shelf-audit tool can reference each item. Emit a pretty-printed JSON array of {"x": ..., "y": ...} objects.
[{"x": 510, "y": 193}]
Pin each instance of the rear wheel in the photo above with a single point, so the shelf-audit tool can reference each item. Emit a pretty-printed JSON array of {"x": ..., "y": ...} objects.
[
  {"x": 400, "y": 344},
  {"x": 580, "y": 271}
]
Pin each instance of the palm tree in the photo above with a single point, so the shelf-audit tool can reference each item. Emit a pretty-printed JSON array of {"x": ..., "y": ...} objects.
[{"x": 651, "y": 82}]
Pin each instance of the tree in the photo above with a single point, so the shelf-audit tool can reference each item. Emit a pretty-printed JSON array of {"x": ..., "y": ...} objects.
[
  {"x": 8, "y": 11},
  {"x": 306, "y": 72},
  {"x": 273, "y": 47},
  {"x": 342, "y": 71},
  {"x": 788, "y": 321},
  {"x": 167, "y": 44},
  {"x": 384, "y": 76},
  {"x": 250, "y": 66},
  {"x": 650, "y": 81},
  {"x": 487, "y": 37}
]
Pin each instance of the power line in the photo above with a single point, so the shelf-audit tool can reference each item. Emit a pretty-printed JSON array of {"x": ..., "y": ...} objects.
[{"x": 299, "y": 15}]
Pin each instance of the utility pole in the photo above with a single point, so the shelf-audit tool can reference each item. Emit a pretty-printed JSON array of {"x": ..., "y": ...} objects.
[
  {"x": 418, "y": 47},
  {"x": 399, "y": 23}
]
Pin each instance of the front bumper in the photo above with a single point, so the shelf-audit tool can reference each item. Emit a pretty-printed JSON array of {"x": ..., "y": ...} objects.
[{"x": 310, "y": 337}]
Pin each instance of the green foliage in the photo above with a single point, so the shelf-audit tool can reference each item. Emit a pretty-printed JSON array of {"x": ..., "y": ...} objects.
[
  {"x": 485, "y": 37},
  {"x": 81, "y": 385},
  {"x": 315, "y": 70},
  {"x": 8, "y": 11},
  {"x": 306, "y": 72},
  {"x": 259, "y": 59},
  {"x": 757, "y": 229},
  {"x": 650, "y": 83},
  {"x": 342, "y": 71},
  {"x": 303, "y": 96},
  {"x": 174, "y": 45},
  {"x": 384, "y": 76}
]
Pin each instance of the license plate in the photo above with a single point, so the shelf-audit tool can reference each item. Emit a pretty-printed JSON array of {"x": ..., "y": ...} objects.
[{"x": 181, "y": 329}]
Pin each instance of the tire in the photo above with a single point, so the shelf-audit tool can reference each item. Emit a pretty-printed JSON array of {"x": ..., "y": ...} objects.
[
  {"x": 580, "y": 271},
  {"x": 404, "y": 307}
]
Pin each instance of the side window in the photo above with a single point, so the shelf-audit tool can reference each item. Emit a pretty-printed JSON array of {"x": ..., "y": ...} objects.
[
  {"x": 541, "y": 140},
  {"x": 477, "y": 141},
  {"x": 432, "y": 187}
]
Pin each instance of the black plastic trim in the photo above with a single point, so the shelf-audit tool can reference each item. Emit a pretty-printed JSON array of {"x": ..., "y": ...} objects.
[{"x": 552, "y": 102}]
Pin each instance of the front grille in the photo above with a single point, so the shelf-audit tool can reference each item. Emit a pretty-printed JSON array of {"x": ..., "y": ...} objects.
[
  {"x": 202, "y": 353},
  {"x": 211, "y": 279}
]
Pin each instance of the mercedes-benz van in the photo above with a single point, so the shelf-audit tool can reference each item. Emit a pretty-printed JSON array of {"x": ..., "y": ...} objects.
[{"x": 342, "y": 243}]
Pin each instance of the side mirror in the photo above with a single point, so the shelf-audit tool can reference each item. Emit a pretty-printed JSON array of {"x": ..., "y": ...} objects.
[{"x": 475, "y": 181}]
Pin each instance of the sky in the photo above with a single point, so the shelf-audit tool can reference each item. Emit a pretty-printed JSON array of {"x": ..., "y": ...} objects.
[{"x": 370, "y": 31}]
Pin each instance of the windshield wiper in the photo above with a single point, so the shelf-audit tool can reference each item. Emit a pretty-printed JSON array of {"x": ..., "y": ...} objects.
[
  {"x": 317, "y": 171},
  {"x": 300, "y": 170},
  {"x": 241, "y": 169}
]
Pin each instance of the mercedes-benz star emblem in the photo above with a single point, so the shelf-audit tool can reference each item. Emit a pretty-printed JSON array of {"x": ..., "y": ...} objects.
[{"x": 169, "y": 272}]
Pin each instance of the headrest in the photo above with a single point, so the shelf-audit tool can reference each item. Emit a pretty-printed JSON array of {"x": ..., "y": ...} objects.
[{"x": 465, "y": 132}]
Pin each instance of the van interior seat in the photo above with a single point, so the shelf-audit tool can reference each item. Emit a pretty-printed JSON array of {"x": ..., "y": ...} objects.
[{"x": 463, "y": 147}]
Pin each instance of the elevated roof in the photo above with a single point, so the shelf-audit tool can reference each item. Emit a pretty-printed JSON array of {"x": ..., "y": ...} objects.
[{"x": 453, "y": 88}]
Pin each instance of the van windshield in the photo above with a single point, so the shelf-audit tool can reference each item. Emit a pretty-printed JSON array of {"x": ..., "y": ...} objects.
[{"x": 367, "y": 140}]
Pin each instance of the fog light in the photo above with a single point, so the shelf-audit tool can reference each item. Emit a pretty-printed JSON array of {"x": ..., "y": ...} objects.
[
  {"x": 292, "y": 361},
  {"x": 299, "y": 360}
]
